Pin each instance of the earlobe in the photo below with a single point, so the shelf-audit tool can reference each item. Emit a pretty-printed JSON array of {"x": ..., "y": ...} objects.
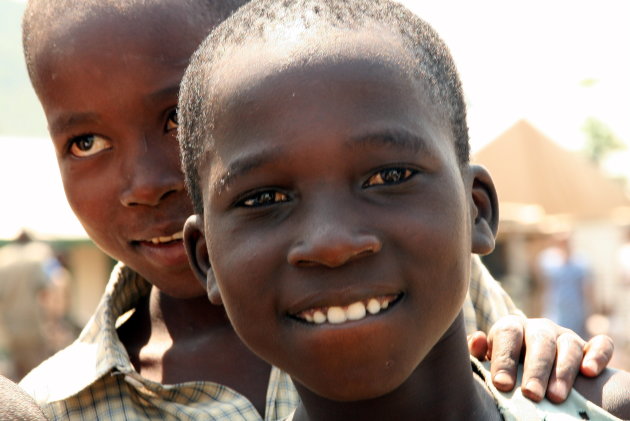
[
  {"x": 484, "y": 210},
  {"x": 197, "y": 251}
]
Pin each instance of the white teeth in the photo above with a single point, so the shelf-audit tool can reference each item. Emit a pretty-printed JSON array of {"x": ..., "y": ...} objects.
[
  {"x": 355, "y": 311},
  {"x": 159, "y": 240},
  {"x": 336, "y": 315},
  {"x": 319, "y": 317},
  {"x": 373, "y": 306}
]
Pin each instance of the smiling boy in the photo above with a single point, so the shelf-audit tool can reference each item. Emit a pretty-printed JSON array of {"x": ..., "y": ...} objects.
[
  {"x": 107, "y": 74},
  {"x": 326, "y": 150}
]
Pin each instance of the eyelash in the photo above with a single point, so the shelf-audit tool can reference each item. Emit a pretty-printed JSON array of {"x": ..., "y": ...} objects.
[
  {"x": 270, "y": 197},
  {"x": 385, "y": 173},
  {"x": 173, "y": 118},
  {"x": 264, "y": 197},
  {"x": 79, "y": 153}
]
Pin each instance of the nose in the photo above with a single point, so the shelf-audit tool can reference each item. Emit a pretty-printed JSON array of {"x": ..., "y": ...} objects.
[
  {"x": 152, "y": 173},
  {"x": 332, "y": 243}
]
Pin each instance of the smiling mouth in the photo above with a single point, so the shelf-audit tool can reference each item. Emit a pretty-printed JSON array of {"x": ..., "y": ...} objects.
[
  {"x": 358, "y": 310},
  {"x": 165, "y": 239}
]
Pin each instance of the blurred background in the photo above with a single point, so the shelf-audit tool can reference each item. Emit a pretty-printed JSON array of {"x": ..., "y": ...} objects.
[{"x": 548, "y": 89}]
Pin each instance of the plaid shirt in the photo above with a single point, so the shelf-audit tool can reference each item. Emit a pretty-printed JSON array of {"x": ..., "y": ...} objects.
[
  {"x": 93, "y": 379},
  {"x": 513, "y": 406}
]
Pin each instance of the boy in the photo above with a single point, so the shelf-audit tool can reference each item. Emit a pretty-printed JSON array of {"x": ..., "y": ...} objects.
[
  {"x": 326, "y": 151},
  {"x": 107, "y": 74}
]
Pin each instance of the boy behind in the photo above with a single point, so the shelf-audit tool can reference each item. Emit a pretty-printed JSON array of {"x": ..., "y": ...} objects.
[{"x": 326, "y": 150}]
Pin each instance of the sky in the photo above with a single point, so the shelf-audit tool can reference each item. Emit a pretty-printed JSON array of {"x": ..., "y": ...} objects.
[{"x": 553, "y": 62}]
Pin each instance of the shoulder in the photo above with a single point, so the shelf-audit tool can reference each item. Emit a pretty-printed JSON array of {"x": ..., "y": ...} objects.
[
  {"x": 610, "y": 390},
  {"x": 514, "y": 406},
  {"x": 16, "y": 404}
]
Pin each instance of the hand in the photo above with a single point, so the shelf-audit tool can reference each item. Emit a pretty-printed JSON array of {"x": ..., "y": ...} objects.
[{"x": 545, "y": 342}]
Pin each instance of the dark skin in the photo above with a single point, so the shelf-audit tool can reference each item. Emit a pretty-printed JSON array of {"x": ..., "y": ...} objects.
[
  {"x": 344, "y": 173},
  {"x": 110, "y": 109},
  {"x": 118, "y": 156}
]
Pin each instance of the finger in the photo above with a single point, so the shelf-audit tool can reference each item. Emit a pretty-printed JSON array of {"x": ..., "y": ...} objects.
[
  {"x": 505, "y": 343},
  {"x": 598, "y": 352},
  {"x": 568, "y": 360},
  {"x": 478, "y": 345},
  {"x": 540, "y": 340}
]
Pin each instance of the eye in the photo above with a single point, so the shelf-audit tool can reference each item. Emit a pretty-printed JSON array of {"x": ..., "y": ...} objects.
[
  {"x": 172, "y": 122},
  {"x": 389, "y": 176},
  {"x": 87, "y": 145},
  {"x": 262, "y": 198}
]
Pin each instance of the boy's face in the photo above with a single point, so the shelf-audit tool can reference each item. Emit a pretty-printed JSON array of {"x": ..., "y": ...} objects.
[
  {"x": 109, "y": 91},
  {"x": 334, "y": 192}
]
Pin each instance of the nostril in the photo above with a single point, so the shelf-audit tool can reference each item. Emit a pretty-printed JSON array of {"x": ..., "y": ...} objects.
[
  {"x": 168, "y": 193},
  {"x": 333, "y": 252},
  {"x": 364, "y": 253}
]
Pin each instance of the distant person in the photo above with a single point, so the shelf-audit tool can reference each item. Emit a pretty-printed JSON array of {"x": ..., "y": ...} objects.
[
  {"x": 623, "y": 303},
  {"x": 567, "y": 284},
  {"x": 23, "y": 277},
  {"x": 623, "y": 258}
]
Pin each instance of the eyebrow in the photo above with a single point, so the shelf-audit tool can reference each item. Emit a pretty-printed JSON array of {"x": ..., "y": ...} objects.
[
  {"x": 245, "y": 164},
  {"x": 169, "y": 91},
  {"x": 67, "y": 121},
  {"x": 396, "y": 139}
]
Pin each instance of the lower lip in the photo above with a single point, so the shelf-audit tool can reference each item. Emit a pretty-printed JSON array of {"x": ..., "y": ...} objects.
[{"x": 172, "y": 253}]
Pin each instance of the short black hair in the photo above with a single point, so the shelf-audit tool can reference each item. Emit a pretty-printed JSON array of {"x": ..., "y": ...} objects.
[
  {"x": 262, "y": 19},
  {"x": 43, "y": 18}
]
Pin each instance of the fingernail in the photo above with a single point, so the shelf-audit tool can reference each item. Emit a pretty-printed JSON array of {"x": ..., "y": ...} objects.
[
  {"x": 591, "y": 365},
  {"x": 559, "y": 389},
  {"x": 534, "y": 389},
  {"x": 503, "y": 381}
]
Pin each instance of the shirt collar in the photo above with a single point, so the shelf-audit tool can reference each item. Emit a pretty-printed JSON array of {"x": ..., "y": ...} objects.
[{"x": 98, "y": 350}]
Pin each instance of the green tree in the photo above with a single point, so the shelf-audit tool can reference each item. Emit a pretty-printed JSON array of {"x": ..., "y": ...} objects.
[{"x": 600, "y": 140}]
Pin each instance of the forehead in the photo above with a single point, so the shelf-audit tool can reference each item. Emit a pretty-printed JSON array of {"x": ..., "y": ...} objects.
[
  {"x": 292, "y": 51},
  {"x": 310, "y": 75},
  {"x": 148, "y": 33}
]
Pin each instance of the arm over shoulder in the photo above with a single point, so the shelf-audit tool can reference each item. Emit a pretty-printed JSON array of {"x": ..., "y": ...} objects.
[{"x": 610, "y": 390}]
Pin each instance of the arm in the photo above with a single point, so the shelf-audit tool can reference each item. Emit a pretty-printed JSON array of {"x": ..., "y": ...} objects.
[
  {"x": 610, "y": 390},
  {"x": 511, "y": 333}
]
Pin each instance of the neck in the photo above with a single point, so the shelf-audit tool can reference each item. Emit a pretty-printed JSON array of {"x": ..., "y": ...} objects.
[
  {"x": 441, "y": 388},
  {"x": 185, "y": 317}
]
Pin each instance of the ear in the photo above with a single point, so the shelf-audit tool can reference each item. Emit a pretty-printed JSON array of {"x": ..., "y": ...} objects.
[
  {"x": 197, "y": 251},
  {"x": 484, "y": 210}
]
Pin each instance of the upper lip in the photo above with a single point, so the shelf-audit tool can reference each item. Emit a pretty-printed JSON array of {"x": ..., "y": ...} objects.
[{"x": 340, "y": 297}]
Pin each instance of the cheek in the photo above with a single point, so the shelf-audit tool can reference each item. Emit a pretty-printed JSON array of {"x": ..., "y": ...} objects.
[
  {"x": 91, "y": 198},
  {"x": 244, "y": 267}
]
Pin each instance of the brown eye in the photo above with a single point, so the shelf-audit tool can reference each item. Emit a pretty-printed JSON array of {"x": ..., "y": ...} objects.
[
  {"x": 264, "y": 198},
  {"x": 389, "y": 176},
  {"x": 172, "y": 122},
  {"x": 88, "y": 145}
]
